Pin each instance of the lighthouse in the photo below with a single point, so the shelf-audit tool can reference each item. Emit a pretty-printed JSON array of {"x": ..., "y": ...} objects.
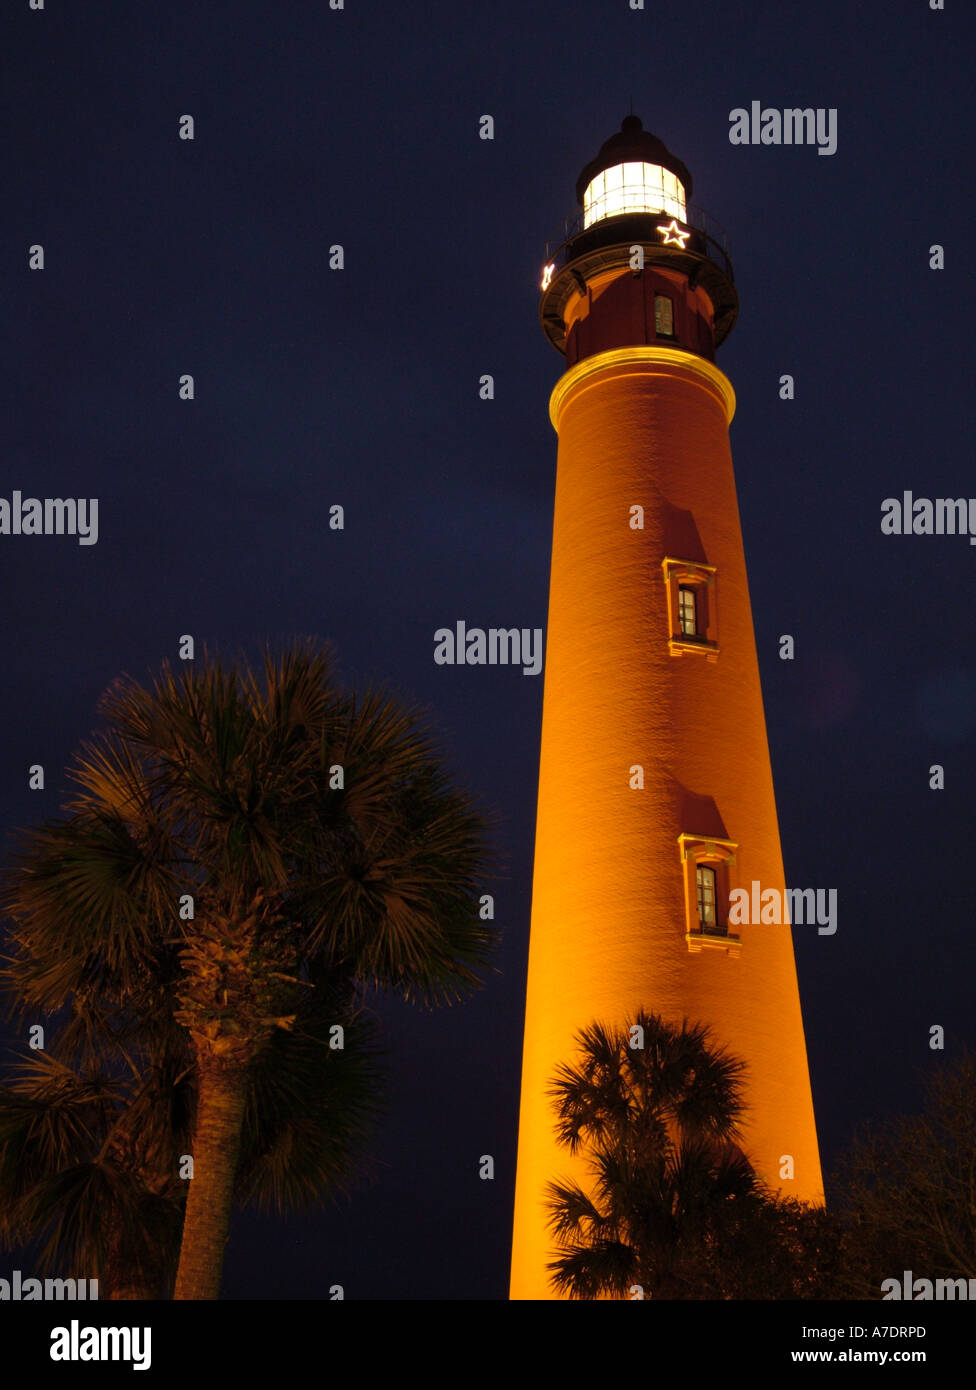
[{"x": 655, "y": 798}]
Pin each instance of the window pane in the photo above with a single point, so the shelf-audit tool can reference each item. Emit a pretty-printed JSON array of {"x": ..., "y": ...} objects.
[
  {"x": 633, "y": 187},
  {"x": 687, "y": 611},
  {"x": 706, "y": 895},
  {"x": 653, "y": 176}
]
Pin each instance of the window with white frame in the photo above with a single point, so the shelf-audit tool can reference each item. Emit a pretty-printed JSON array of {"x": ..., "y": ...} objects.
[
  {"x": 709, "y": 871},
  {"x": 633, "y": 187},
  {"x": 687, "y": 610},
  {"x": 705, "y": 878},
  {"x": 692, "y": 607}
]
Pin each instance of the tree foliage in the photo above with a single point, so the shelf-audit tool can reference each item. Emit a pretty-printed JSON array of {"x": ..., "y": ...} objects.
[
  {"x": 249, "y": 848},
  {"x": 906, "y": 1191},
  {"x": 675, "y": 1209}
]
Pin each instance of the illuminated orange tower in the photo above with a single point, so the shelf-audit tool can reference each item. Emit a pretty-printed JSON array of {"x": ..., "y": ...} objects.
[{"x": 655, "y": 789}]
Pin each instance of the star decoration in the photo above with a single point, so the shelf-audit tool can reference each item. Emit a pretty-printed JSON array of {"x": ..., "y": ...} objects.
[{"x": 673, "y": 235}]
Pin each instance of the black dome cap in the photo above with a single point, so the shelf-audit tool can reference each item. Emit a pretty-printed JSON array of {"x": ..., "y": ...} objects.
[{"x": 632, "y": 144}]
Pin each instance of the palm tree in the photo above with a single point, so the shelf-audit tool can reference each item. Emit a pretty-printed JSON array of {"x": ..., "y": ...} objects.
[
  {"x": 241, "y": 838},
  {"x": 658, "y": 1123},
  {"x": 90, "y": 1149}
]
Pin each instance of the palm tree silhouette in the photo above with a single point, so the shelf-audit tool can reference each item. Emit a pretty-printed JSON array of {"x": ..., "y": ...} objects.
[
  {"x": 91, "y": 1140},
  {"x": 243, "y": 837},
  {"x": 655, "y": 1109}
]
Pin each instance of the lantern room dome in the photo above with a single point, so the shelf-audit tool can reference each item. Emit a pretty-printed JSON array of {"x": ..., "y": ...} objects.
[{"x": 632, "y": 144}]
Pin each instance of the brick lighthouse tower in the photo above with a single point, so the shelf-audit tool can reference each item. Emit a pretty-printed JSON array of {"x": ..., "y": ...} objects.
[{"x": 655, "y": 789}]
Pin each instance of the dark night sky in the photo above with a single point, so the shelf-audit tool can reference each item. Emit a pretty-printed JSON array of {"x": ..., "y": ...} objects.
[{"x": 361, "y": 387}]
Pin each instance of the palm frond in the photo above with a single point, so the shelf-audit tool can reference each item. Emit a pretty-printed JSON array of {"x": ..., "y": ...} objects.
[{"x": 594, "y": 1270}]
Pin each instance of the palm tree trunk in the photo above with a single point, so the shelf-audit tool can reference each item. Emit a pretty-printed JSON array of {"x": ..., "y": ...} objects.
[{"x": 216, "y": 1146}]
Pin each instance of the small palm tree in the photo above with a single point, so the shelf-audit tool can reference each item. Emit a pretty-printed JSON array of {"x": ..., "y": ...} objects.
[
  {"x": 241, "y": 838},
  {"x": 656, "y": 1109}
]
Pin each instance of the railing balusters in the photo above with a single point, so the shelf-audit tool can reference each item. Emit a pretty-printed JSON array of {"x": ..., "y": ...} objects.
[{"x": 712, "y": 240}]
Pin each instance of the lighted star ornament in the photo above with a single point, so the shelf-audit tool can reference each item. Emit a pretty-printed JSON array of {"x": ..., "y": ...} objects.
[{"x": 673, "y": 235}]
